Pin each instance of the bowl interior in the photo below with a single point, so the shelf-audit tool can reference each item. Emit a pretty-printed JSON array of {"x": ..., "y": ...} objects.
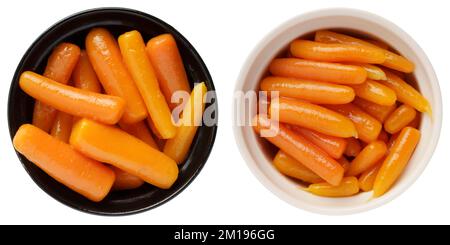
[
  {"x": 74, "y": 29},
  {"x": 258, "y": 152}
]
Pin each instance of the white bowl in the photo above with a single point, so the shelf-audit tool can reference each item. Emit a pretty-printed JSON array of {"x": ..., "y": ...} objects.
[{"x": 258, "y": 154}]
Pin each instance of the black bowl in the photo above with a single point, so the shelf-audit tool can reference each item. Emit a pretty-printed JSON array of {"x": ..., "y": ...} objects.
[{"x": 74, "y": 29}]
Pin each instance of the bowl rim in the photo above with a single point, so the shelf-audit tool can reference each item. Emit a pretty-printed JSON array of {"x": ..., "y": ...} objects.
[
  {"x": 196, "y": 55},
  {"x": 309, "y": 16}
]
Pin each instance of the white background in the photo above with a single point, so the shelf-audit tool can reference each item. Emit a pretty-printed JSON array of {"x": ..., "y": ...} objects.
[{"x": 226, "y": 192}]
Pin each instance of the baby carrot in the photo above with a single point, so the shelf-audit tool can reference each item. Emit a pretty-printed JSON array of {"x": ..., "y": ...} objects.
[
  {"x": 392, "y": 60},
  {"x": 166, "y": 59},
  {"x": 348, "y": 187},
  {"x": 383, "y": 136},
  {"x": 353, "y": 147},
  {"x": 334, "y": 146},
  {"x": 344, "y": 163},
  {"x": 312, "y": 116},
  {"x": 178, "y": 147},
  {"x": 415, "y": 123},
  {"x": 368, "y": 128},
  {"x": 367, "y": 178},
  {"x": 396, "y": 160},
  {"x": 369, "y": 156},
  {"x": 104, "y": 108},
  {"x": 399, "y": 119},
  {"x": 84, "y": 76},
  {"x": 301, "y": 150},
  {"x": 105, "y": 57},
  {"x": 373, "y": 72},
  {"x": 406, "y": 93},
  {"x": 125, "y": 181},
  {"x": 62, "y": 127},
  {"x": 312, "y": 91},
  {"x": 292, "y": 168},
  {"x": 136, "y": 60},
  {"x": 140, "y": 131},
  {"x": 336, "y": 52},
  {"x": 59, "y": 67},
  {"x": 59, "y": 160},
  {"x": 375, "y": 92},
  {"x": 111, "y": 145},
  {"x": 377, "y": 111},
  {"x": 378, "y": 43},
  {"x": 318, "y": 71}
]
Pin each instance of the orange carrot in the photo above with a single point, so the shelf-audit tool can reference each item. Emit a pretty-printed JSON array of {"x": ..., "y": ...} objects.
[
  {"x": 104, "y": 108},
  {"x": 292, "y": 168},
  {"x": 415, "y": 123},
  {"x": 396, "y": 160},
  {"x": 311, "y": 116},
  {"x": 166, "y": 59},
  {"x": 84, "y": 76},
  {"x": 318, "y": 71},
  {"x": 140, "y": 131},
  {"x": 353, "y": 147},
  {"x": 178, "y": 147},
  {"x": 349, "y": 186},
  {"x": 334, "y": 146},
  {"x": 59, "y": 67},
  {"x": 392, "y": 60},
  {"x": 111, "y": 145},
  {"x": 336, "y": 52},
  {"x": 312, "y": 91},
  {"x": 368, "y": 128},
  {"x": 125, "y": 181},
  {"x": 373, "y": 72},
  {"x": 81, "y": 174},
  {"x": 399, "y": 119},
  {"x": 135, "y": 57},
  {"x": 62, "y": 127},
  {"x": 377, "y": 111},
  {"x": 378, "y": 43},
  {"x": 105, "y": 57},
  {"x": 375, "y": 92},
  {"x": 344, "y": 163},
  {"x": 367, "y": 178},
  {"x": 367, "y": 158},
  {"x": 383, "y": 136},
  {"x": 301, "y": 150},
  {"x": 406, "y": 93}
]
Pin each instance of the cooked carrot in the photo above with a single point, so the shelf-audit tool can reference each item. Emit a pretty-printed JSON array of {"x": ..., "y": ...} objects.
[
  {"x": 396, "y": 160},
  {"x": 105, "y": 57},
  {"x": 292, "y": 168},
  {"x": 318, "y": 71},
  {"x": 178, "y": 147},
  {"x": 399, "y": 119},
  {"x": 125, "y": 181},
  {"x": 334, "y": 146},
  {"x": 378, "y": 43},
  {"x": 353, "y": 147},
  {"x": 344, "y": 163},
  {"x": 407, "y": 94},
  {"x": 367, "y": 178},
  {"x": 368, "y": 128},
  {"x": 375, "y": 92},
  {"x": 383, "y": 136},
  {"x": 84, "y": 76},
  {"x": 59, "y": 160},
  {"x": 348, "y": 187},
  {"x": 300, "y": 149},
  {"x": 166, "y": 60},
  {"x": 392, "y": 60},
  {"x": 377, "y": 111},
  {"x": 415, "y": 123},
  {"x": 140, "y": 131},
  {"x": 111, "y": 145},
  {"x": 312, "y": 91},
  {"x": 392, "y": 140},
  {"x": 311, "y": 116},
  {"x": 136, "y": 60},
  {"x": 373, "y": 72},
  {"x": 336, "y": 52},
  {"x": 103, "y": 108},
  {"x": 59, "y": 67},
  {"x": 367, "y": 158},
  {"x": 62, "y": 127}
]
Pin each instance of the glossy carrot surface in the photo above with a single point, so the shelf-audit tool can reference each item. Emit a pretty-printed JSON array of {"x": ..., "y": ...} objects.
[
  {"x": 348, "y": 187},
  {"x": 377, "y": 111},
  {"x": 140, "y": 131},
  {"x": 353, "y": 147},
  {"x": 373, "y": 72},
  {"x": 318, "y": 71},
  {"x": 293, "y": 168},
  {"x": 367, "y": 158},
  {"x": 59, "y": 160},
  {"x": 104, "y": 108},
  {"x": 104, "y": 55},
  {"x": 84, "y": 76},
  {"x": 333, "y": 146},
  {"x": 367, "y": 178},
  {"x": 62, "y": 127},
  {"x": 375, "y": 92},
  {"x": 399, "y": 119},
  {"x": 125, "y": 181}
]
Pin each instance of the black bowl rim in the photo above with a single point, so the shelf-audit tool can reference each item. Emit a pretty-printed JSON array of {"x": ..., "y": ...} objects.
[{"x": 196, "y": 55}]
